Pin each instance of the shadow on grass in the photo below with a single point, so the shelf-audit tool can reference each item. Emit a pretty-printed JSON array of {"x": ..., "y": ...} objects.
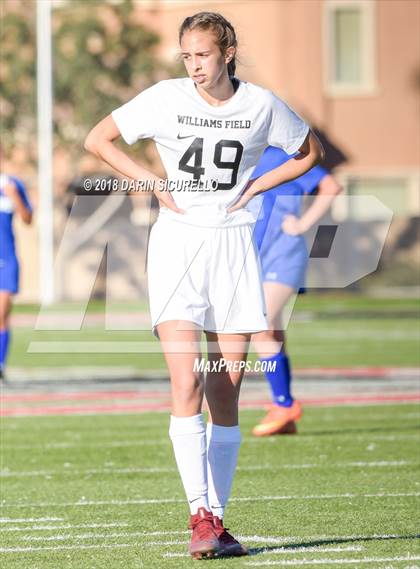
[{"x": 333, "y": 541}]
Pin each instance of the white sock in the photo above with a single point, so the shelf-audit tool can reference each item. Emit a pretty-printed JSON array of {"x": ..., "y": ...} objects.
[
  {"x": 222, "y": 456},
  {"x": 188, "y": 435}
]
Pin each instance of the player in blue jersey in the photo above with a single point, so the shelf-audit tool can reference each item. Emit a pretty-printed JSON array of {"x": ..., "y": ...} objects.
[
  {"x": 13, "y": 199},
  {"x": 278, "y": 234}
]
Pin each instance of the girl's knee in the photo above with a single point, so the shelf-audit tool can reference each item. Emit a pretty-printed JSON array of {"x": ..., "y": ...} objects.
[{"x": 187, "y": 388}]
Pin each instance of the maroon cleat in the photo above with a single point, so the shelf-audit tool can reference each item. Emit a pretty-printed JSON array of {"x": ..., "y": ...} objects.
[
  {"x": 229, "y": 546},
  {"x": 204, "y": 540}
]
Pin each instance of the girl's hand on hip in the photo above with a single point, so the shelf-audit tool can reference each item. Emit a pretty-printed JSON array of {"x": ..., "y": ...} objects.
[
  {"x": 292, "y": 225},
  {"x": 165, "y": 199},
  {"x": 250, "y": 191}
]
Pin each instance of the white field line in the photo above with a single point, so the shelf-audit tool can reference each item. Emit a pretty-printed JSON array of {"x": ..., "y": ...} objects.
[
  {"x": 360, "y": 560},
  {"x": 166, "y": 441},
  {"x": 249, "y": 539},
  {"x": 308, "y": 437},
  {"x": 157, "y": 470},
  {"x": 286, "y": 550},
  {"x": 142, "y": 501},
  {"x": 81, "y": 536},
  {"x": 28, "y": 520},
  {"x": 67, "y": 526},
  {"x": 75, "y": 444},
  {"x": 93, "y": 546},
  {"x": 293, "y": 539},
  {"x": 61, "y": 547},
  {"x": 64, "y": 537}
]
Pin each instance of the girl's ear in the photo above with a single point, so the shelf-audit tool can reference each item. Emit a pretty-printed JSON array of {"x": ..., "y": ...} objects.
[{"x": 229, "y": 54}]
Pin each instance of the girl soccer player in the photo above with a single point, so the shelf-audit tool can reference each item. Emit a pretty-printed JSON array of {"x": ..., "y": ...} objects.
[
  {"x": 278, "y": 234},
  {"x": 203, "y": 272},
  {"x": 13, "y": 199}
]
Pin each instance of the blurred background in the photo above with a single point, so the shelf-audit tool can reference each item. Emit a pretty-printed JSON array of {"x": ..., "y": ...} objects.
[{"x": 351, "y": 68}]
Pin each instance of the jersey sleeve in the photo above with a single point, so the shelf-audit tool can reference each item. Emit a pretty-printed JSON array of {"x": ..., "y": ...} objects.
[
  {"x": 22, "y": 192},
  {"x": 138, "y": 117},
  {"x": 286, "y": 129},
  {"x": 309, "y": 181}
]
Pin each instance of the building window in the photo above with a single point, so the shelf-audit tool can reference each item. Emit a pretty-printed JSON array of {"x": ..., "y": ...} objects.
[{"x": 349, "y": 47}]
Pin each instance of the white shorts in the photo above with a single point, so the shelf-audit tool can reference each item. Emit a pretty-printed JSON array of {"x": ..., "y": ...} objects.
[{"x": 205, "y": 275}]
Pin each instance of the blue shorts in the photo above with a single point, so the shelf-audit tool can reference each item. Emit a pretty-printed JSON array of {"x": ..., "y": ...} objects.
[
  {"x": 284, "y": 260},
  {"x": 279, "y": 271},
  {"x": 9, "y": 274}
]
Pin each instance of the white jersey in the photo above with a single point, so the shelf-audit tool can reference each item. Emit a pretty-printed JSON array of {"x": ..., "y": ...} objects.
[{"x": 208, "y": 152}]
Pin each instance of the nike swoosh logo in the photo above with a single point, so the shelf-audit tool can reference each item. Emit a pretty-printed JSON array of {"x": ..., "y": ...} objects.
[
  {"x": 191, "y": 501},
  {"x": 179, "y": 137}
]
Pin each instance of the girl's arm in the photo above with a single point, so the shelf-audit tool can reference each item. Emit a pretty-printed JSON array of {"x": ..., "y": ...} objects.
[
  {"x": 310, "y": 153},
  {"x": 100, "y": 141},
  {"x": 327, "y": 190},
  {"x": 11, "y": 191}
]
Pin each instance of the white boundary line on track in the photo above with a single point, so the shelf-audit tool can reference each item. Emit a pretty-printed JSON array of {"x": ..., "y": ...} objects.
[
  {"x": 361, "y": 560},
  {"x": 141, "y": 501},
  {"x": 156, "y": 470}
]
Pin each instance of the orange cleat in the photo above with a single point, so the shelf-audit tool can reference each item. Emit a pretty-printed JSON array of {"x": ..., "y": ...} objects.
[
  {"x": 279, "y": 421},
  {"x": 229, "y": 546}
]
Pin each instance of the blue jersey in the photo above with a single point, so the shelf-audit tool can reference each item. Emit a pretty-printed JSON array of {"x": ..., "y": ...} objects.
[
  {"x": 7, "y": 240},
  {"x": 279, "y": 251}
]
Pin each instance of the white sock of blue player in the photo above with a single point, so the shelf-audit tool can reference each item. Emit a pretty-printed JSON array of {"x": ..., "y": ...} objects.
[
  {"x": 280, "y": 379},
  {"x": 4, "y": 346},
  {"x": 188, "y": 435},
  {"x": 222, "y": 456}
]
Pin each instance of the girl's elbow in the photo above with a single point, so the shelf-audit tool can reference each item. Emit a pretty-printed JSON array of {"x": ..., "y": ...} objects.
[
  {"x": 90, "y": 143},
  {"x": 93, "y": 141},
  {"x": 27, "y": 217}
]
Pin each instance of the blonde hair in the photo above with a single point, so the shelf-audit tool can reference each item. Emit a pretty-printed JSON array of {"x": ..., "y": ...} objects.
[{"x": 222, "y": 29}]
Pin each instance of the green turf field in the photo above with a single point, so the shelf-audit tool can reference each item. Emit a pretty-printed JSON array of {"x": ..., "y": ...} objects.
[
  {"x": 95, "y": 492},
  {"x": 326, "y": 330}
]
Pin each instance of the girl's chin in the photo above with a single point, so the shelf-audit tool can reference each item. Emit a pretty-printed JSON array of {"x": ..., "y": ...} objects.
[{"x": 200, "y": 80}]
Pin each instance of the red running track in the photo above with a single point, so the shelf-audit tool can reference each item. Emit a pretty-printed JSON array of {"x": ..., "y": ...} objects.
[{"x": 164, "y": 404}]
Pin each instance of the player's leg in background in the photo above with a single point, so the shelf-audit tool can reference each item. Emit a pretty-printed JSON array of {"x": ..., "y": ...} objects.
[
  {"x": 271, "y": 348},
  {"x": 181, "y": 347},
  {"x": 5, "y": 308},
  {"x": 223, "y": 433}
]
